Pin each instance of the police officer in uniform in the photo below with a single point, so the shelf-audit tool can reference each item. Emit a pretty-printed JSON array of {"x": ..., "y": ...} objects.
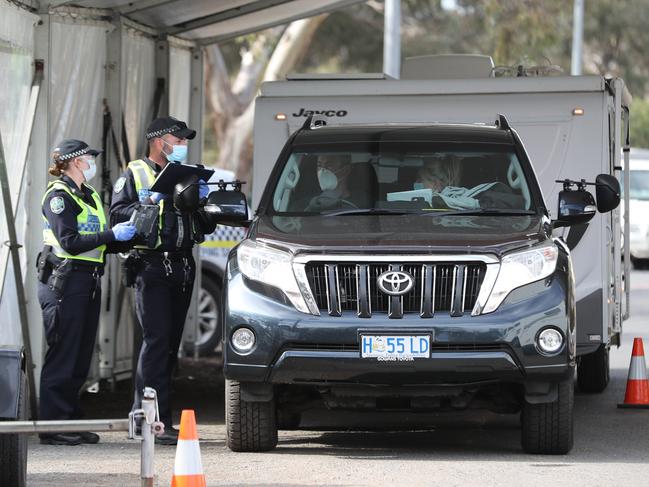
[
  {"x": 70, "y": 266},
  {"x": 164, "y": 269}
]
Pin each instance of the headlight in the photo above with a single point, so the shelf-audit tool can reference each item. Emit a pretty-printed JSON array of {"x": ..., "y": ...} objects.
[
  {"x": 265, "y": 264},
  {"x": 521, "y": 268}
]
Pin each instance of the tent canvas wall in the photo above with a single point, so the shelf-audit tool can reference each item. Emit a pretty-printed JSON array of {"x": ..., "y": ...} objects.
[{"x": 132, "y": 58}]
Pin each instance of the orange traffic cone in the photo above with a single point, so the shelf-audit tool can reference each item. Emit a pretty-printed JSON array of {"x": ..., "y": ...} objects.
[
  {"x": 637, "y": 385},
  {"x": 188, "y": 468}
]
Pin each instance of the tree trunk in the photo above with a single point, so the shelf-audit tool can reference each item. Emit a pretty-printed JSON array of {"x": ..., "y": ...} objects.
[{"x": 233, "y": 106}]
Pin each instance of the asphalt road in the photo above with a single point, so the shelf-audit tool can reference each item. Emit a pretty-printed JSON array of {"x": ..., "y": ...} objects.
[{"x": 463, "y": 449}]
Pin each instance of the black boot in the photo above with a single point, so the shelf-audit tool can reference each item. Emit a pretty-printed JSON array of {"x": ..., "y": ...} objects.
[
  {"x": 68, "y": 439},
  {"x": 88, "y": 437},
  {"x": 169, "y": 437}
]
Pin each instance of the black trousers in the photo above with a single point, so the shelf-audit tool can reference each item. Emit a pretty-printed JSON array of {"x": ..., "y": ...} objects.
[
  {"x": 70, "y": 321},
  {"x": 162, "y": 300}
]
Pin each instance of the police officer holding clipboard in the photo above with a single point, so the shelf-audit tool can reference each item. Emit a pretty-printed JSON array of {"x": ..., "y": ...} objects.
[
  {"x": 162, "y": 267},
  {"x": 75, "y": 235}
]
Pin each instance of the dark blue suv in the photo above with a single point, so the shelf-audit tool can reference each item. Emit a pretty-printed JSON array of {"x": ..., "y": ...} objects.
[{"x": 402, "y": 267}]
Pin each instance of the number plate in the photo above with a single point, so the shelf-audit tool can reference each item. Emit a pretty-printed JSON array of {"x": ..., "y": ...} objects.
[{"x": 395, "y": 348}]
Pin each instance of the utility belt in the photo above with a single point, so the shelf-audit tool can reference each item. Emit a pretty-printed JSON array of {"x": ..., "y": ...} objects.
[
  {"x": 162, "y": 254},
  {"x": 132, "y": 264},
  {"x": 54, "y": 271}
]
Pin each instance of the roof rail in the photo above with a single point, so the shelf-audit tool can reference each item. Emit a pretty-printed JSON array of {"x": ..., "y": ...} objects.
[
  {"x": 502, "y": 122},
  {"x": 313, "y": 122}
]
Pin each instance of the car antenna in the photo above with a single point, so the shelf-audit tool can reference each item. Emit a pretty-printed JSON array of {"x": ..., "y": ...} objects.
[
  {"x": 502, "y": 122},
  {"x": 313, "y": 122}
]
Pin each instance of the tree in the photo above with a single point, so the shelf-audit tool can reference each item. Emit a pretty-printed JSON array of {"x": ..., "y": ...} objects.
[
  {"x": 232, "y": 103},
  {"x": 616, "y": 39},
  {"x": 640, "y": 123},
  {"x": 351, "y": 40}
]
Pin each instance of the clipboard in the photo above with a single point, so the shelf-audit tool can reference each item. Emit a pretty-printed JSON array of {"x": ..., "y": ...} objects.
[{"x": 173, "y": 174}]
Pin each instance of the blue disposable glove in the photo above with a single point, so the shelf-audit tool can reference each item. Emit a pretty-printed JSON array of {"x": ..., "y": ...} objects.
[
  {"x": 203, "y": 189},
  {"x": 156, "y": 197},
  {"x": 123, "y": 231}
]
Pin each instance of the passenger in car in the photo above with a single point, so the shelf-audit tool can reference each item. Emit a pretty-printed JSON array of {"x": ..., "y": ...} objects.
[
  {"x": 439, "y": 172},
  {"x": 442, "y": 176}
]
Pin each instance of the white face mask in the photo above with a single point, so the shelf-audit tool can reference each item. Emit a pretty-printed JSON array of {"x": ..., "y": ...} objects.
[
  {"x": 89, "y": 173},
  {"x": 327, "y": 179}
]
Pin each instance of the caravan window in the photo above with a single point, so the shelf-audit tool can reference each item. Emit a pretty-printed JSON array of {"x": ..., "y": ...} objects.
[{"x": 410, "y": 176}]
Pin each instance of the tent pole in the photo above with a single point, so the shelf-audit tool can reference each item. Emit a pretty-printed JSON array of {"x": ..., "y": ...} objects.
[{"x": 20, "y": 291}]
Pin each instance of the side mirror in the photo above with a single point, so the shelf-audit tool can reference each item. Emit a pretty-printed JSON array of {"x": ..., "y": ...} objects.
[
  {"x": 575, "y": 206},
  {"x": 227, "y": 207},
  {"x": 186, "y": 196},
  {"x": 607, "y": 190}
]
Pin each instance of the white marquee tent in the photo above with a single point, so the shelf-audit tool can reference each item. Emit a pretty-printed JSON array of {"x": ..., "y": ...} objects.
[{"x": 65, "y": 65}]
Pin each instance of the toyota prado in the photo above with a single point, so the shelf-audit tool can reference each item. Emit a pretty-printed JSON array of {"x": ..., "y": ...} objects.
[{"x": 404, "y": 268}]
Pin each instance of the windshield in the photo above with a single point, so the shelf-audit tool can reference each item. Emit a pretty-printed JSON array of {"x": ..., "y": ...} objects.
[
  {"x": 639, "y": 185},
  {"x": 401, "y": 177}
]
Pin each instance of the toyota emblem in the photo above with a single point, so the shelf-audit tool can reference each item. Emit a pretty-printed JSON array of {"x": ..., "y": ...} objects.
[{"x": 395, "y": 283}]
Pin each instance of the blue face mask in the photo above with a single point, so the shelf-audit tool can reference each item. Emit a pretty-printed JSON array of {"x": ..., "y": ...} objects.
[{"x": 178, "y": 153}]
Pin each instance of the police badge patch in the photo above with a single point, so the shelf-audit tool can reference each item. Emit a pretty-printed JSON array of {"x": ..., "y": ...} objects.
[
  {"x": 119, "y": 184},
  {"x": 57, "y": 205}
]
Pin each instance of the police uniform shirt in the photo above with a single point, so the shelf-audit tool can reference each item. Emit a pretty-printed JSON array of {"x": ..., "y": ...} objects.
[
  {"x": 61, "y": 212},
  {"x": 176, "y": 227}
]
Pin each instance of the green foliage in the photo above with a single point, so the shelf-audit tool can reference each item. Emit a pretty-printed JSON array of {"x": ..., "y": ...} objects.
[
  {"x": 511, "y": 31},
  {"x": 616, "y": 39},
  {"x": 350, "y": 40},
  {"x": 640, "y": 123}
]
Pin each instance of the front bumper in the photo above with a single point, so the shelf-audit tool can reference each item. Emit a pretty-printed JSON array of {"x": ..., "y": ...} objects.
[{"x": 296, "y": 348}]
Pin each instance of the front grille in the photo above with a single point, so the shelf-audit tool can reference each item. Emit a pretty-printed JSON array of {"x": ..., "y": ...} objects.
[{"x": 438, "y": 287}]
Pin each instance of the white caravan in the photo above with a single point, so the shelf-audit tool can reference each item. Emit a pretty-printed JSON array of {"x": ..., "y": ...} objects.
[{"x": 573, "y": 127}]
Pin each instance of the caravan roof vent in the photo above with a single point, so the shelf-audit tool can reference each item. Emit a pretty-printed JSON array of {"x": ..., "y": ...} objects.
[{"x": 447, "y": 66}]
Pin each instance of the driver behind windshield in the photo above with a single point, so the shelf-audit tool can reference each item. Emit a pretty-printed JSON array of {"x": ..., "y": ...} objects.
[
  {"x": 333, "y": 177},
  {"x": 333, "y": 174}
]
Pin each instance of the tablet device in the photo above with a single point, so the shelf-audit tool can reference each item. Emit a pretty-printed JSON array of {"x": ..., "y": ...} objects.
[
  {"x": 173, "y": 174},
  {"x": 145, "y": 219}
]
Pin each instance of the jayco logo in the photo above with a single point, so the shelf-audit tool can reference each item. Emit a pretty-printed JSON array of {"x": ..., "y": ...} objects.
[{"x": 327, "y": 113}]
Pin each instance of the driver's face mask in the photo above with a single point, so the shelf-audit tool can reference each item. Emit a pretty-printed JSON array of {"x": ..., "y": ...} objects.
[{"x": 327, "y": 179}]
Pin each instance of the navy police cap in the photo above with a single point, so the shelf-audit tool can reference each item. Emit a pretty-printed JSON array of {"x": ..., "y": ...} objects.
[
  {"x": 169, "y": 125},
  {"x": 71, "y": 148}
]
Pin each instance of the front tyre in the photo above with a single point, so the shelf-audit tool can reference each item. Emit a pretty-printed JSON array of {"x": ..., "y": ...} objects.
[
  {"x": 548, "y": 428},
  {"x": 250, "y": 426}
]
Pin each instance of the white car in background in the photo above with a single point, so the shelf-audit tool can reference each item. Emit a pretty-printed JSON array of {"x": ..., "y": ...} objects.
[
  {"x": 639, "y": 206},
  {"x": 214, "y": 255}
]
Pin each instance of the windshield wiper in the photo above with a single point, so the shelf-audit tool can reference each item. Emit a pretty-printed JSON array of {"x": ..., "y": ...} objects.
[
  {"x": 369, "y": 211},
  {"x": 483, "y": 211}
]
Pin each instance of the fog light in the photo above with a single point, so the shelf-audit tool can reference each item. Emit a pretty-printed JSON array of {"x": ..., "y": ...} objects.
[
  {"x": 550, "y": 340},
  {"x": 243, "y": 339}
]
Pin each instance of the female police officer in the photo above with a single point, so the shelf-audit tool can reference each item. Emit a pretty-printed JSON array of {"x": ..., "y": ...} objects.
[{"x": 70, "y": 267}]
